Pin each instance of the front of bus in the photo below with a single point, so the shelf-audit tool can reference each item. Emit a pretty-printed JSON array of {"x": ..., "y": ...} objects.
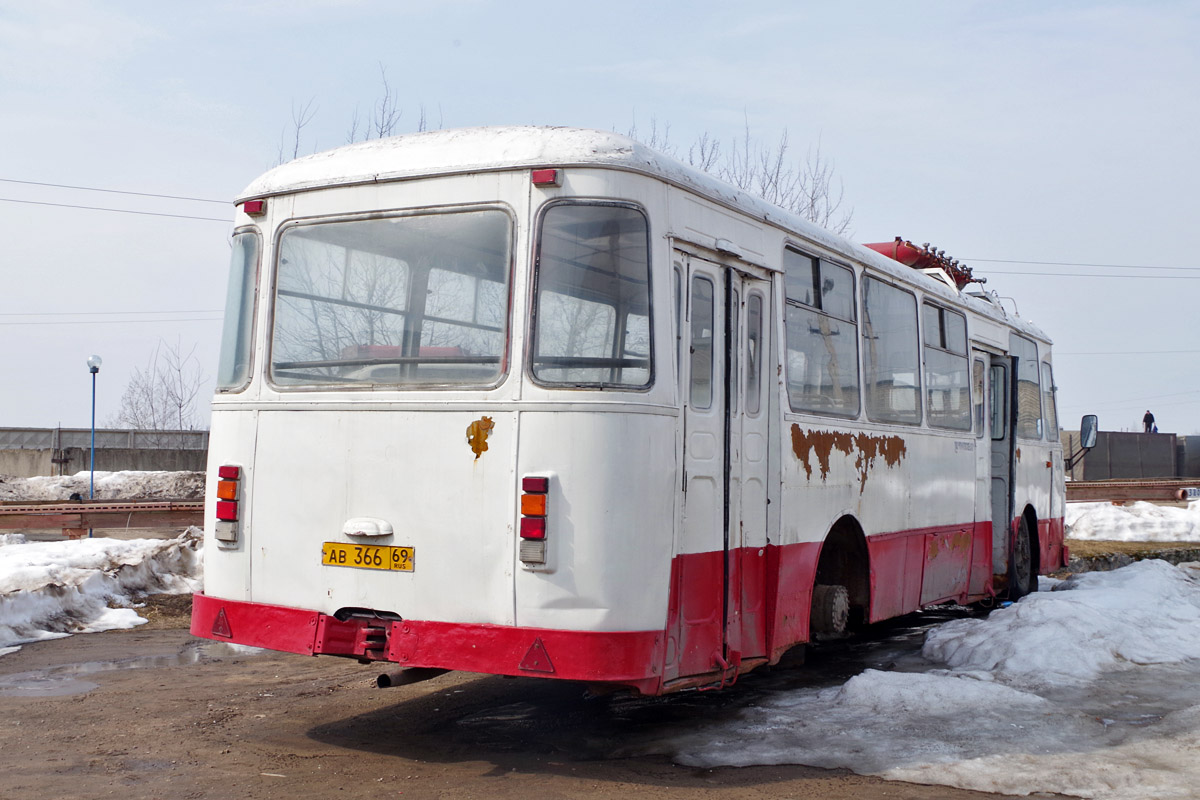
[{"x": 439, "y": 437}]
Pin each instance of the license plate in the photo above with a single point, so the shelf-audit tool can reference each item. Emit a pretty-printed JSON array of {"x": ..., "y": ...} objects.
[{"x": 367, "y": 556}]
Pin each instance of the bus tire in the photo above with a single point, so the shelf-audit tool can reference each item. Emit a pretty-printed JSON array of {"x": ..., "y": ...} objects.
[
  {"x": 1021, "y": 580},
  {"x": 830, "y": 611}
]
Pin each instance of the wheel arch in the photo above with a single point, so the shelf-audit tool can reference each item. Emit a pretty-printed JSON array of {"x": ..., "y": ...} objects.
[
  {"x": 845, "y": 560},
  {"x": 1035, "y": 545}
]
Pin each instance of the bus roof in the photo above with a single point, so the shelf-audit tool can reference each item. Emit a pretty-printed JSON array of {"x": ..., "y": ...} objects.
[{"x": 487, "y": 149}]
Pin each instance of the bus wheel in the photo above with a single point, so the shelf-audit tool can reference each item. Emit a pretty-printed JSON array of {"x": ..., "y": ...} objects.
[
  {"x": 830, "y": 611},
  {"x": 1021, "y": 580}
]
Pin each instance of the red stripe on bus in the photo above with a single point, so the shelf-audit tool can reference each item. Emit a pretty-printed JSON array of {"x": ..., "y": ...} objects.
[{"x": 769, "y": 615}]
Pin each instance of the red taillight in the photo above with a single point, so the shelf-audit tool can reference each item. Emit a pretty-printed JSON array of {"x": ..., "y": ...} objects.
[
  {"x": 227, "y": 510},
  {"x": 230, "y": 472},
  {"x": 547, "y": 177},
  {"x": 255, "y": 208},
  {"x": 535, "y": 485},
  {"x": 533, "y": 527}
]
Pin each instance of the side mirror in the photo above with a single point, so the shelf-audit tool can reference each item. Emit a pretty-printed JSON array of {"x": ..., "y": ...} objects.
[{"x": 1087, "y": 431}]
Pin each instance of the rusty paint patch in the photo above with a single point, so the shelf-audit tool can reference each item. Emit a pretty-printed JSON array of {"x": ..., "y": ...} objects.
[
  {"x": 477, "y": 435},
  {"x": 821, "y": 445}
]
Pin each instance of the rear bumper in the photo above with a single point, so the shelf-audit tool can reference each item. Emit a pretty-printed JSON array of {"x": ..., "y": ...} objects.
[{"x": 626, "y": 658}]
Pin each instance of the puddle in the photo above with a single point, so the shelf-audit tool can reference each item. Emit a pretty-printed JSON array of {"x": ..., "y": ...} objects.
[{"x": 68, "y": 679}]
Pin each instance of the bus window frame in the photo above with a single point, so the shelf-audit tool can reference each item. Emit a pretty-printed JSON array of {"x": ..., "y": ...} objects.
[
  {"x": 530, "y": 331},
  {"x": 505, "y": 362},
  {"x": 945, "y": 347},
  {"x": 918, "y": 343},
  {"x": 251, "y": 319},
  {"x": 1039, "y": 421},
  {"x": 854, "y": 320}
]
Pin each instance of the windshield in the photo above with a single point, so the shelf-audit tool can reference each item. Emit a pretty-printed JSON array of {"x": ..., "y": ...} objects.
[{"x": 411, "y": 300}]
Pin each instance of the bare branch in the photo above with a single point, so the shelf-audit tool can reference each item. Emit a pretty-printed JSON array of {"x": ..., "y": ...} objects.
[
  {"x": 385, "y": 116},
  {"x": 162, "y": 397}
]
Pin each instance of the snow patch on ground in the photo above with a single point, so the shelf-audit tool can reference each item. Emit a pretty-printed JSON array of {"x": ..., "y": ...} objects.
[
  {"x": 1137, "y": 522},
  {"x": 1091, "y": 690},
  {"x": 125, "y": 485},
  {"x": 1146, "y": 613},
  {"x": 53, "y": 589}
]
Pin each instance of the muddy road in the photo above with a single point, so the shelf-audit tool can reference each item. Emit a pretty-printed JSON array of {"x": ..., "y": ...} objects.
[{"x": 155, "y": 713}]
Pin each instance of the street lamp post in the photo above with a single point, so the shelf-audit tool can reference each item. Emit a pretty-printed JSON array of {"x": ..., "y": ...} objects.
[{"x": 93, "y": 363}]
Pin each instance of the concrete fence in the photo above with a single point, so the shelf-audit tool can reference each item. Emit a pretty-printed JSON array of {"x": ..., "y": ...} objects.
[
  {"x": 30, "y": 452},
  {"x": 1129, "y": 456}
]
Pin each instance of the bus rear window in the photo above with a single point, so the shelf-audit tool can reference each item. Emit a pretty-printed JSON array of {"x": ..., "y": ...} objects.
[
  {"x": 591, "y": 325},
  {"x": 417, "y": 300}
]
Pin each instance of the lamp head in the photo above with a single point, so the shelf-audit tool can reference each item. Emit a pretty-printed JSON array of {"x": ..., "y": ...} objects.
[{"x": 94, "y": 363}]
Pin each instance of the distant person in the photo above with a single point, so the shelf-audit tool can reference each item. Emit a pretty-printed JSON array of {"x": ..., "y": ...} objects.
[{"x": 1148, "y": 422}]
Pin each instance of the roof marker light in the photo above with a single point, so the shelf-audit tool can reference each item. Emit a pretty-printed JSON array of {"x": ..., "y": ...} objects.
[
  {"x": 547, "y": 177},
  {"x": 255, "y": 208}
]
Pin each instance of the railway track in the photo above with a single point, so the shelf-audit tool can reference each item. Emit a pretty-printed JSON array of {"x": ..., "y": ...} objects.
[
  {"x": 1160, "y": 490},
  {"x": 76, "y": 517}
]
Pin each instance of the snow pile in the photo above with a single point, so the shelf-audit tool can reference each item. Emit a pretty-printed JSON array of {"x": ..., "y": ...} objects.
[
  {"x": 53, "y": 589},
  {"x": 1146, "y": 613},
  {"x": 1091, "y": 690},
  {"x": 1138, "y": 522},
  {"x": 125, "y": 485}
]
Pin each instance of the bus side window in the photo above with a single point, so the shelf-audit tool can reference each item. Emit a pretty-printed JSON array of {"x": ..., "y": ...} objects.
[
  {"x": 998, "y": 395},
  {"x": 1049, "y": 409},
  {"x": 891, "y": 357},
  {"x": 701, "y": 346},
  {"x": 679, "y": 312},
  {"x": 753, "y": 353},
  {"x": 1029, "y": 394},
  {"x": 821, "y": 336},
  {"x": 732, "y": 345},
  {"x": 977, "y": 381},
  {"x": 237, "y": 339}
]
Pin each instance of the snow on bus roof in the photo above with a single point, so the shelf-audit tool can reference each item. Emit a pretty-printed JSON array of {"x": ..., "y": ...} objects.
[{"x": 486, "y": 149}]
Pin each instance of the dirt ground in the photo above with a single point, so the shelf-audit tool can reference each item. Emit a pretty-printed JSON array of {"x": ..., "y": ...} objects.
[
  {"x": 156, "y": 713},
  {"x": 1087, "y": 548}
]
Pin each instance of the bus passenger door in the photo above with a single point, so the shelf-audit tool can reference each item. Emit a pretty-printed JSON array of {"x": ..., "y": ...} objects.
[
  {"x": 746, "y": 631},
  {"x": 981, "y": 547},
  {"x": 1000, "y": 424},
  {"x": 700, "y": 562},
  {"x": 721, "y": 569}
]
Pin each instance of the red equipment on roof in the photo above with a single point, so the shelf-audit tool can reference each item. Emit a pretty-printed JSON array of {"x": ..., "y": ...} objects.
[{"x": 925, "y": 257}]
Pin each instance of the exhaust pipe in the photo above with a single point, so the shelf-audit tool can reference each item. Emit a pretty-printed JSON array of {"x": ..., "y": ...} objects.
[{"x": 406, "y": 676}]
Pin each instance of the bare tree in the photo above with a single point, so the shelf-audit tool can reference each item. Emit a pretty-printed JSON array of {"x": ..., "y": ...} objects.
[
  {"x": 385, "y": 115},
  {"x": 301, "y": 116},
  {"x": 808, "y": 186},
  {"x": 162, "y": 397}
]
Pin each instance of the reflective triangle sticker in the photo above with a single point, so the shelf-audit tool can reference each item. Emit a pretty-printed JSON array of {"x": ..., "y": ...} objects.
[
  {"x": 537, "y": 659},
  {"x": 221, "y": 625}
]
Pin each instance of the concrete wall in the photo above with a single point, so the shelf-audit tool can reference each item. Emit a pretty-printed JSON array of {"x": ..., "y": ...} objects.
[
  {"x": 32, "y": 463},
  {"x": 1187, "y": 456},
  {"x": 33, "y": 452},
  {"x": 1126, "y": 456}
]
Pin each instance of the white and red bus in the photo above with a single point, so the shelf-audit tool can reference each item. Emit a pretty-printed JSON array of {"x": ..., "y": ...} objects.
[{"x": 543, "y": 402}]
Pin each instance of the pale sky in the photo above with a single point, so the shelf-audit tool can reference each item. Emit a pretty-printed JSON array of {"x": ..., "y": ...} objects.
[{"x": 1004, "y": 133}]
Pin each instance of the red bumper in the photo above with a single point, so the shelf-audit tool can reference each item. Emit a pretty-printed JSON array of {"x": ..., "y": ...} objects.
[{"x": 628, "y": 658}]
